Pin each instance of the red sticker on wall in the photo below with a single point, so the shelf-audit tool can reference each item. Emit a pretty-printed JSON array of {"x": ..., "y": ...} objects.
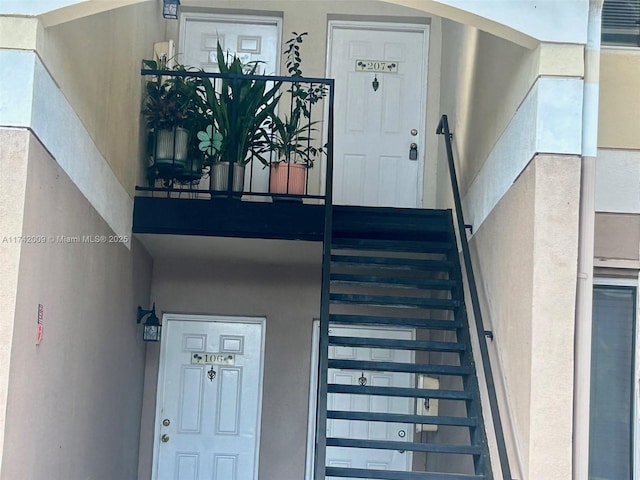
[{"x": 40, "y": 328}]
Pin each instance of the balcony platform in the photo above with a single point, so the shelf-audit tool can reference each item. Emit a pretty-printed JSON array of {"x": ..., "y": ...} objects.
[{"x": 228, "y": 217}]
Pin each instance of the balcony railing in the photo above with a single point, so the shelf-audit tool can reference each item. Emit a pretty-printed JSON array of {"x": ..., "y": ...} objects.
[{"x": 240, "y": 135}]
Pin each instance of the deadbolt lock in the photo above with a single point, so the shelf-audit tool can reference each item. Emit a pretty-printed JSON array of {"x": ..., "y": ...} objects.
[
  {"x": 413, "y": 151},
  {"x": 166, "y": 422}
]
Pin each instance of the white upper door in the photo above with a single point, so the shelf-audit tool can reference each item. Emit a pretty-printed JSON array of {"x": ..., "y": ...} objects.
[
  {"x": 209, "y": 399},
  {"x": 380, "y": 105},
  {"x": 401, "y": 432},
  {"x": 250, "y": 38}
]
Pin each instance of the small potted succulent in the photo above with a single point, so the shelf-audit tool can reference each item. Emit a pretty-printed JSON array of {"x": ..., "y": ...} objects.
[{"x": 291, "y": 135}]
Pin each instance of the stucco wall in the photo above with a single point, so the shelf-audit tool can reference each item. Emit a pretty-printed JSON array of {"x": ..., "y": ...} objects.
[
  {"x": 96, "y": 62},
  {"x": 75, "y": 400},
  {"x": 526, "y": 256},
  {"x": 484, "y": 79},
  {"x": 618, "y": 125},
  {"x": 14, "y": 147},
  {"x": 289, "y": 298}
]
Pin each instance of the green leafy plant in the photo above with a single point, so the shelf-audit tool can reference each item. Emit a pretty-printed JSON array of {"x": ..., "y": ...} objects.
[
  {"x": 291, "y": 136},
  {"x": 169, "y": 102},
  {"x": 241, "y": 109}
]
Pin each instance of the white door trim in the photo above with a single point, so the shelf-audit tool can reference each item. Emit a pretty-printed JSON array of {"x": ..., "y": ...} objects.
[
  {"x": 424, "y": 28},
  {"x": 168, "y": 317},
  {"x": 313, "y": 389}
]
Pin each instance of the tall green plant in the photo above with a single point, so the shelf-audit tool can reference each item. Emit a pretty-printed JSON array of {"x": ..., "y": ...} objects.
[
  {"x": 291, "y": 137},
  {"x": 241, "y": 109}
]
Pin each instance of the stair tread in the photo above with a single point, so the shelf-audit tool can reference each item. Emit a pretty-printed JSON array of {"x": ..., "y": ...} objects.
[
  {"x": 400, "y": 392},
  {"x": 387, "y": 281},
  {"x": 394, "y": 262},
  {"x": 402, "y": 418},
  {"x": 399, "y": 367},
  {"x": 394, "y": 301},
  {"x": 397, "y": 475},
  {"x": 399, "y": 321},
  {"x": 396, "y": 445},
  {"x": 426, "y": 345},
  {"x": 391, "y": 245}
]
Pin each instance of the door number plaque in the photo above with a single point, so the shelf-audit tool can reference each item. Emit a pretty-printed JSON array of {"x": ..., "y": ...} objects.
[
  {"x": 204, "y": 358},
  {"x": 376, "y": 66}
]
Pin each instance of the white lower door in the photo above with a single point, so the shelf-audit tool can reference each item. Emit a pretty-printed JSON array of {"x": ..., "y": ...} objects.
[
  {"x": 209, "y": 399},
  {"x": 401, "y": 432},
  {"x": 380, "y": 106}
]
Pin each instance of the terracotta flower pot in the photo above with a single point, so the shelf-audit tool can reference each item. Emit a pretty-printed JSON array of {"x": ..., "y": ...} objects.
[{"x": 288, "y": 178}]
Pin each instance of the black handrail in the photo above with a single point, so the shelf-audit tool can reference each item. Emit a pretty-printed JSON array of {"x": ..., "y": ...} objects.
[
  {"x": 323, "y": 354},
  {"x": 443, "y": 129}
]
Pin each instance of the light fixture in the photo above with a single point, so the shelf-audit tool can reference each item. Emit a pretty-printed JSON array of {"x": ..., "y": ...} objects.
[
  {"x": 152, "y": 327},
  {"x": 170, "y": 9}
]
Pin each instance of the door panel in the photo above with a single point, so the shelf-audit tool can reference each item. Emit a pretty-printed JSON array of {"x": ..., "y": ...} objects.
[
  {"x": 375, "y": 113},
  {"x": 368, "y": 458},
  {"x": 208, "y": 414}
]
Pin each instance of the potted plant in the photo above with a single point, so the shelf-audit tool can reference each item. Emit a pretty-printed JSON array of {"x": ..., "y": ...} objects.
[
  {"x": 291, "y": 135},
  {"x": 166, "y": 107},
  {"x": 240, "y": 110}
]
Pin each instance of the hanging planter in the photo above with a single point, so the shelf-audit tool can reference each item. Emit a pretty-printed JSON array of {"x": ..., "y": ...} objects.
[
  {"x": 192, "y": 171},
  {"x": 288, "y": 178},
  {"x": 171, "y": 148}
]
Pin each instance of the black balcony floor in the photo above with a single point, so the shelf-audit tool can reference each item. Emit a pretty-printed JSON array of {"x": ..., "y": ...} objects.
[{"x": 229, "y": 217}]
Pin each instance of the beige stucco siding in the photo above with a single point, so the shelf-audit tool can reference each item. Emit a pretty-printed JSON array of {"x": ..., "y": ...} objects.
[
  {"x": 618, "y": 125},
  {"x": 289, "y": 298},
  {"x": 75, "y": 400},
  {"x": 96, "y": 62},
  {"x": 617, "y": 236},
  {"x": 526, "y": 257},
  {"x": 14, "y": 148}
]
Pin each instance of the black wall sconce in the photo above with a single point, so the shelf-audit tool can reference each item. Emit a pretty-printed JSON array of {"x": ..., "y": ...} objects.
[
  {"x": 170, "y": 9},
  {"x": 152, "y": 327}
]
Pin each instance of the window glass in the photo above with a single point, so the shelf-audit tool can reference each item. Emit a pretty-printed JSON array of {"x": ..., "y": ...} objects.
[{"x": 612, "y": 367}]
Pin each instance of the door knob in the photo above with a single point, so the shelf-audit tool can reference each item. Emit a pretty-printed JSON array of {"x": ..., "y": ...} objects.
[
  {"x": 164, "y": 438},
  {"x": 401, "y": 434}
]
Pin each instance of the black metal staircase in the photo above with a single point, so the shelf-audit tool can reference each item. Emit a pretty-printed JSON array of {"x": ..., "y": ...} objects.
[{"x": 394, "y": 344}]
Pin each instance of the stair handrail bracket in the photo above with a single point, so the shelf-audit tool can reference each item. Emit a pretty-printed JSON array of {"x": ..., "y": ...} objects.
[{"x": 443, "y": 129}]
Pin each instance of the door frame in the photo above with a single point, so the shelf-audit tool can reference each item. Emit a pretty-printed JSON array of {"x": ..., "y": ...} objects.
[
  {"x": 371, "y": 25},
  {"x": 313, "y": 392},
  {"x": 168, "y": 317}
]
